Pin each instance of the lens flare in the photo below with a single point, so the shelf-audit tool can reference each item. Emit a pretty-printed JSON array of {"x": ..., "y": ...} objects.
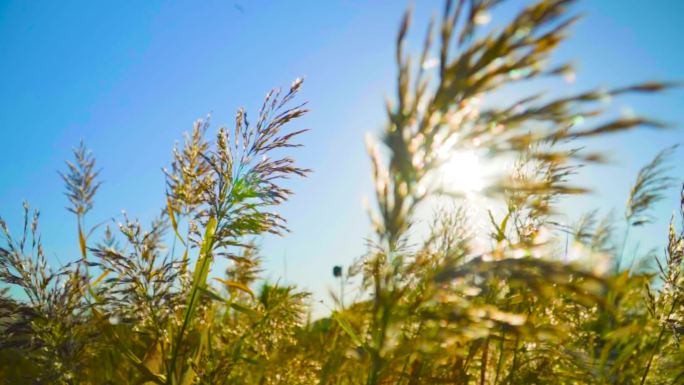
[{"x": 463, "y": 172}]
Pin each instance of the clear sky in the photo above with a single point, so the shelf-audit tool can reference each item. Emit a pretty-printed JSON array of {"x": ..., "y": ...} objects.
[{"x": 129, "y": 77}]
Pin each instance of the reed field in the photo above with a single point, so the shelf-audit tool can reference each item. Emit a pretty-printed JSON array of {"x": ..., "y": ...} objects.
[{"x": 530, "y": 301}]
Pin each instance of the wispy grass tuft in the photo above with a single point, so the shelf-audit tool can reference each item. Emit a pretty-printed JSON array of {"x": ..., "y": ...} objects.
[{"x": 515, "y": 298}]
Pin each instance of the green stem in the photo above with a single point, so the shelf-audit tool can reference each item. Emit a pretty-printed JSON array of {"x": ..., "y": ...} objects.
[
  {"x": 622, "y": 251},
  {"x": 655, "y": 349},
  {"x": 205, "y": 251},
  {"x": 501, "y": 355},
  {"x": 179, "y": 339},
  {"x": 483, "y": 367},
  {"x": 515, "y": 357}
]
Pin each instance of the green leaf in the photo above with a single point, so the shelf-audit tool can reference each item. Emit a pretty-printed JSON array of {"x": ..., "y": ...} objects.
[
  {"x": 213, "y": 295},
  {"x": 172, "y": 217},
  {"x": 243, "y": 309},
  {"x": 101, "y": 277},
  {"x": 82, "y": 241},
  {"x": 347, "y": 327},
  {"x": 236, "y": 285}
]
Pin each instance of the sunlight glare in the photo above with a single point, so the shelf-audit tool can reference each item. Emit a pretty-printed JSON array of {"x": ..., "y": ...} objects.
[{"x": 463, "y": 172}]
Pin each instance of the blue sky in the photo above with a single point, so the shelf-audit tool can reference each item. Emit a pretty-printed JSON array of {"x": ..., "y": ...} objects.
[{"x": 130, "y": 77}]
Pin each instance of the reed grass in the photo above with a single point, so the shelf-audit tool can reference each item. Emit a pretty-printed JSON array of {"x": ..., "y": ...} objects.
[{"x": 132, "y": 308}]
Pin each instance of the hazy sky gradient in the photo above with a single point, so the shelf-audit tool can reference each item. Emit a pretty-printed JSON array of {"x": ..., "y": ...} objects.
[{"x": 130, "y": 77}]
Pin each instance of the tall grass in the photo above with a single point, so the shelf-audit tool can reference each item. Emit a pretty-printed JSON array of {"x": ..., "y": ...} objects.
[{"x": 138, "y": 305}]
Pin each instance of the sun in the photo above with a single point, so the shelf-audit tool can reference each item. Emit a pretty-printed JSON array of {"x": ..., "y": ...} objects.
[{"x": 463, "y": 172}]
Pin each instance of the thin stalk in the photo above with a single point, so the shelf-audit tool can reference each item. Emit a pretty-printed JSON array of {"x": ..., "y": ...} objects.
[
  {"x": 655, "y": 349},
  {"x": 376, "y": 362},
  {"x": 375, "y": 352},
  {"x": 515, "y": 357},
  {"x": 179, "y": 339},
  {"x": 483, "y": 367},
  {"x": 501, "y": 355},
  {"x": 342, "y": 291},
  {"x": 622, "y": 250},
  {"x": 206, "y": 261}
]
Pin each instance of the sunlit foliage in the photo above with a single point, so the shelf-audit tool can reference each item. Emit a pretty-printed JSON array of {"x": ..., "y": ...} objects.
[{"x": 541, "y": 303}]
